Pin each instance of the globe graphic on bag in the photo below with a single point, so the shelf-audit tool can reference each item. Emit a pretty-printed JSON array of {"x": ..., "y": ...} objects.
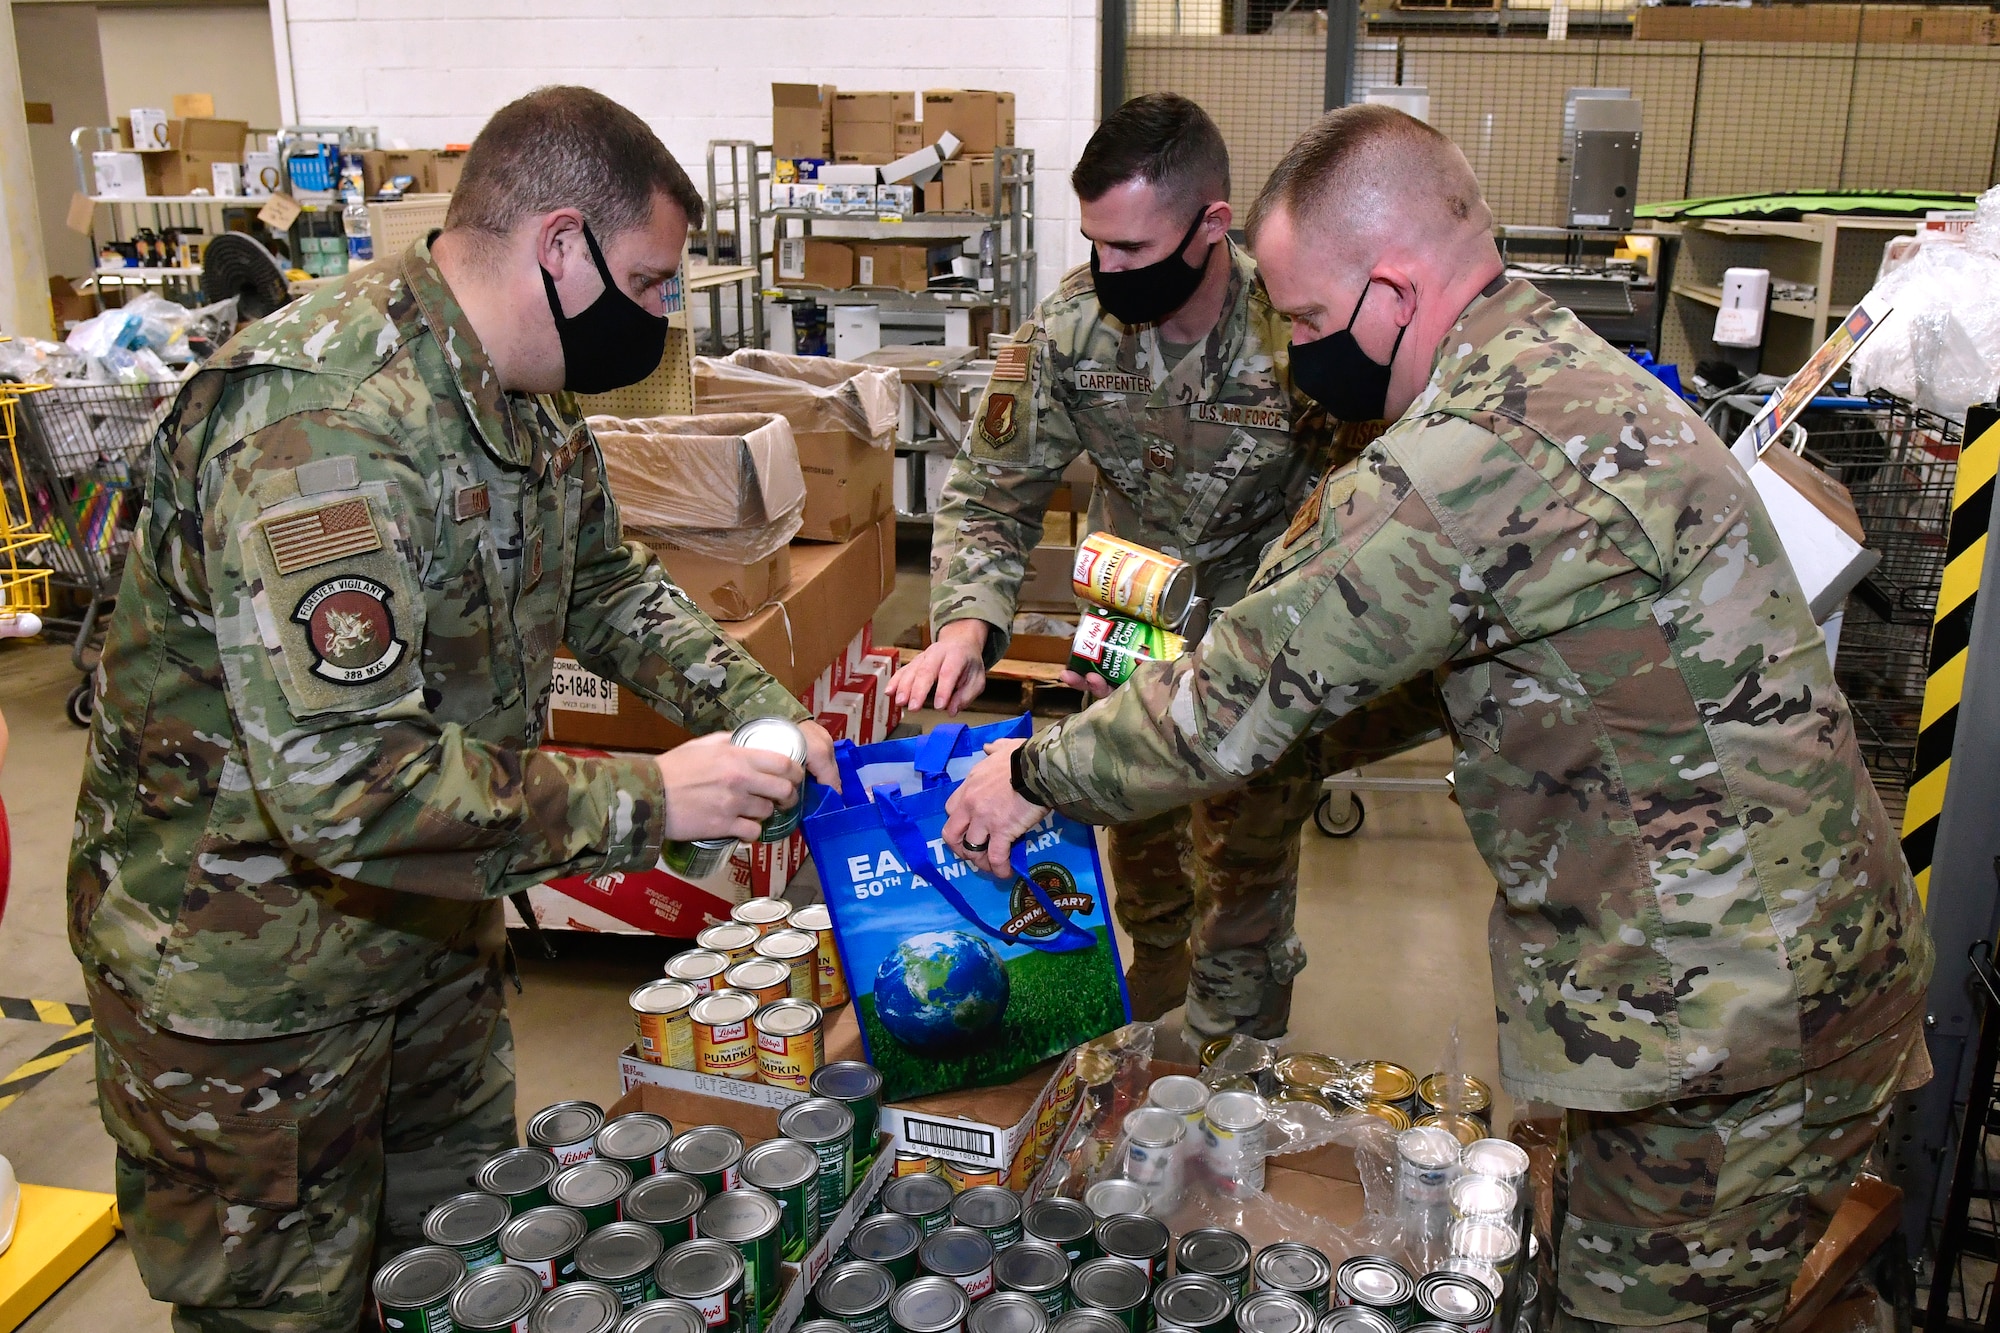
[{"x": 940, "y": 990}]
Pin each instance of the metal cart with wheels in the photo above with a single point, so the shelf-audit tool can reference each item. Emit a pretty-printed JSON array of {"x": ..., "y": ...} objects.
[
  {"x": 84, "y": 456},
  {"x": 1340, "y": 812}
]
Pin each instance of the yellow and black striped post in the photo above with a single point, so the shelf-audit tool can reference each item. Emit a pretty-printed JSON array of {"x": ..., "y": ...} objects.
[{"x": 1951, "y": 634}]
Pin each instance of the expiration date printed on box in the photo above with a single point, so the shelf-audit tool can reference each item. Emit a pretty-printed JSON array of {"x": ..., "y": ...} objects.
[{"x": 576, "y": 689}]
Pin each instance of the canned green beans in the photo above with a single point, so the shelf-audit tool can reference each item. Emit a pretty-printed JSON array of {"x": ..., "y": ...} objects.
[
  {"x": 1087, "y": 1321},
  {"x": 1139, "y": 1240},
  {"x": 819, "y": 1326},
  {"x": 888, "y": 1239},
  {"x": 667, "y": 1203},
  {"x": 1119, "y": 1289},
  {"x": 543, "y": 1241},
  {"x": 1222, "y": 1255},
  {"x": 749, "y": 1219},
  {"x": 1036, "y": 1269},
  {"x": 858, "y": 1087},
  {"x": 578, "y": 1307},
  {"x": 622, "y": 1256},
  {"x": 929, "y": 1305},
  {"x": 593, "y": 1188},
  {"x": 665, "y": 1315},
  {"x": 413, "y": 1290},
  {"x": 567, "y": 1129},
  {"x": 521, "y": 1176},
  {"x": 788, "y": 1171},
  {"x": 925, "y": 1200},
  {"x": 469, "y": 1224},
  {"x": 827, "y": 1127},
  {"x": 1008, "y": 1312},
  {"x": 1298, "y": 1269},
  {"x": 1191, "y": 1301},
  {"x": 993, "y": 1209},
  {"x": 1355, "y": 1319},
  {"x": 708, "y": 1275},
  {"x": 962, "y": 1254},
  {"x": 1455, "y": 1299},
  {"x": 1377, "y": 1283},
  {"x": 1069, "y": 1226},
  {"x": 712, "y": 1154},
  {"x": 856, "y": 1294},
  {"x": 1273, "y": 1312},
  {"x": 496, "y": 1300},
  {"x": 637, "y": 1141}
]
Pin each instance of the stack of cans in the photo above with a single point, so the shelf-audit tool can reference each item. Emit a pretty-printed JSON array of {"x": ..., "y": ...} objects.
[{"x": 627, "y": 1225}]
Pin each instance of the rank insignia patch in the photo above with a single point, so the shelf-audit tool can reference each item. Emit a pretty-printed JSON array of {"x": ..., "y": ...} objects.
[
  {"x": 1159, "y": 456},
  {"x": 350, "y": 630},
  {"x": 999, "y": 423}
]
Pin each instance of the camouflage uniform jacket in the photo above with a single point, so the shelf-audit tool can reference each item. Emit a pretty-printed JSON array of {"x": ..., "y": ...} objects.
[
  {"x": 315, "y": 751},
  {"x": 1700, "y": 892},
  {"x": 1204, "y": 460}
]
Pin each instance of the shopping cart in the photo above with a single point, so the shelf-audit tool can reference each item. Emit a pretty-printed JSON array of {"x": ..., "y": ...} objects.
[
  {"x": 84, "y": 451},
  {"x": 24, "y": 586}
]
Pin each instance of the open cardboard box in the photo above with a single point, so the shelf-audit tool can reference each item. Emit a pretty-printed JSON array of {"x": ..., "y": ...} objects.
[
  {"x": 1008, "y": 1128},
  {"x": 756, "y": 1124}
]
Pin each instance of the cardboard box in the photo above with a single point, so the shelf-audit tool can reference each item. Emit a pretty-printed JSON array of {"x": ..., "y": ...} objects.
[
  {"x": 414, "y": 162},
  {"x": 1003, "y": 119},
  {"x": 757, "y": 1124},
  {"x": 660, "y": 902},
  {"x": 194, "y": 146},
  {"x": 906, "y": 265},
  {"x": 867, "y": 144},
  {"x": 727, "y": 590},
  {"x": 1925, "y": 25},
  {"x": 446, "y": 168},
  {"x": 974, "y": 115},
  {"x": 1009, "y": 1128},
  {"x": 872, "y": 108},
  {"x": 833, "y": 592},
  {"x": 822, "y": 263},
  {"x": 800, "y": 117},
  {"x": 909, "y": 137},
  {"x": 965, "y": 185}
]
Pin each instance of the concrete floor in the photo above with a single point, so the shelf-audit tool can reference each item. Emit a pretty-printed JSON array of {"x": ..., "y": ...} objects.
[{"x": 1393, "y": 920}]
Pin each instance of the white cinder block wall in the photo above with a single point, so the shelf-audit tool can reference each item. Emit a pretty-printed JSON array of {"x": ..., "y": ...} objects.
[{"x": 430, "y": 71}]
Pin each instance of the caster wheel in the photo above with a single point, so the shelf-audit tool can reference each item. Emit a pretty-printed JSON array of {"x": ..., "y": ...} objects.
[
  {"x": 1344, "y": 825},
  {"x": 80, "y": 705}
]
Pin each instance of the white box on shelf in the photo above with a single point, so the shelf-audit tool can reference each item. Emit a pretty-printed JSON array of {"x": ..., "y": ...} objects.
[
  {"x": 262, "y": 175},
  {"x": 151, "y": 128},
  {"x": 119, "y": 175},
  {"x": 228, "y": 179}
]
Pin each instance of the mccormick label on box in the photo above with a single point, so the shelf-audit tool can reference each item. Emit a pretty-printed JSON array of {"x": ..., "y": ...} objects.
[{"x": 574, "y": 688}]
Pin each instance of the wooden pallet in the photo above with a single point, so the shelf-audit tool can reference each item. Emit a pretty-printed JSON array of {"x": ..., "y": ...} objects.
[{"x": 1010, "y": 680}]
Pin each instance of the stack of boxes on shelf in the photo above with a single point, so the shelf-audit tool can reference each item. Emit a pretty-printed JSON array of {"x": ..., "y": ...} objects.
[{"x": 869, "y": 154}]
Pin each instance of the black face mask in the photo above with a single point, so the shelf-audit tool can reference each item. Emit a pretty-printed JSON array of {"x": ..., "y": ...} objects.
[
  {"x": 1340, "y": 377},
  {"x": 1148, "y": 295},
  {"x": 613, "y": 342}
]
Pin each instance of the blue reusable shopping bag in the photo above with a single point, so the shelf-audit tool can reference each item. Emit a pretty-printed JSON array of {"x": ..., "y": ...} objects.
[{"x": 960, "y": 979}]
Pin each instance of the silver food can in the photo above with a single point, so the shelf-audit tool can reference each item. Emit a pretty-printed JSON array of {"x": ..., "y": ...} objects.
[
  {"x": 1182, "y": 1094},
  {"x": 698, "y": 859},
  {"x": 567, "y": 1129},
  {"x": 779, "y": 736},
  {"x": 1152, "y": 1133},
  {"x": 1232, "y": 1127}
]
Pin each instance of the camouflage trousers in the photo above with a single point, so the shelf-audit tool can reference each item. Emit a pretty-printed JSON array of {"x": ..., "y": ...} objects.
[
  {"x": 260, "y": 1182},
  {"x": 1695, "y": 1216}
]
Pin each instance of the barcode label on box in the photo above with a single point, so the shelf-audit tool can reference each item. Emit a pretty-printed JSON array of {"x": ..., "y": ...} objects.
[
  {"x": 576, "y": 689},
  {"x": 948, "y": 1137}
]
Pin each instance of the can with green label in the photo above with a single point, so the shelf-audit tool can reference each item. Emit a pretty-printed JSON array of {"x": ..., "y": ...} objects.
[
  {"x": 888, "y": 1239},
  {"x": 413, "y": 1290},
  {"x": 469, "y": 1223},
  {"x": 788, "y": 1171},
  {"x": 593, "y": 1188},
  {"x": 749, "y": 1219},
  {"x": 622, "y": 1256},
  {"x": 827, "y": 1127},
  {"x": 858, "y": 1087},
  {"x": 521, "y": 1176},
  {"x": 667, "y": 1203},
  {"x": 1113, "y": 645},
  {"x": 925, "y": 1200},
  {"x": 637, "y": 1141},
  {"x": 707, "y": 1274}
]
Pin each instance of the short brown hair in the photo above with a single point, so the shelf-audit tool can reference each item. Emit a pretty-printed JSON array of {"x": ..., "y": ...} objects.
[
  {"x": 1311, "y": 175},
  {"x": 567, "y": 147},
  {"x": 1162, "y": 139}
]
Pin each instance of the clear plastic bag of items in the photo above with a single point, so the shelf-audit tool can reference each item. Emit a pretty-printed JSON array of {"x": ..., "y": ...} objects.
[
  {"x": 726, "y": 486},
  {"x": 1291, "y": 1168},
  {"x": 813, "y": 393}
]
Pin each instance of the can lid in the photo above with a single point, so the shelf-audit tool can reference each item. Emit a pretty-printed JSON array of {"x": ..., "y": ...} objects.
[
  {"x": 1110, "y": 1284},
  {"x": 1181, "y": 1093},
  {"x": 495, "y": 1297},
  {"x": 813, "y": 916},
  {"x": 1133, "y": 1236},
  {"x": 1454, "y": 1297},
  {"x": 590, "y": 1183},
  {"x": 1376, "y": 1281},
  {"x": 1289, "y": 1266},
  {"x": 418, "y": 1277},
  {"x": 788, "y": 944},
  {"x": 1495, "y": 1157},
  {"x": 565, "y": 1123},
  {"x": 1112, "y": 1198},
  {"x": 1273, "y": 1312},
  {"x": 705, "y": 1149},
  {"x": 465, "y": 1218},
  {"x": 1191, "y": 1300},
  {"x": 1382, "y": 1081},
  {"x": 695, "y": 1270},
  {"x": 666, "y": 1315},
  {"x": 1213, "y": 1252},
  {"x": 1009, "y": 1312},
  {"x": 1479, "y": 1271},
  {"x": 884, "y": 1236},
  {"x": 1155, "y": 1127},
  {"x": 1058, "y": 1220},
  {"x": 517, "y": 1171},
  {"x": 1087, "y": 1321},
  {"x": 915, "y": 1196},
  {"x": 727, "y": 937},
  {"x": 929, "y": 1305},
  {"x": 987, "y": 1206},
  {"x": 1466, "y": 1093},
  {"x": 577, "y": 1307},
  {"x": 668, "y": 1196},
  {"x": 619, "y": 1250},
  {"x": 1236, "y": 1111},
  {"x": 1355, "y": 1319},
  {"x": 778, "y": 1164},
  {"x": 721, "y": 1007},
  {"x": 761, "y": 911},
  {"x": 779, "y": 735},
  {"x": 788, "y": 1018},
  {"x": 816, "y": 1120},
  {"x": 1477, "y": 1238},
  {"x": 665, "y": 996},
  {"x": 697, "y": 965},
  {"x": 754, "y": 974},
  {"x": 739, "y": 1215},
  {"x": 1482, "y": 1194},
  {"x": 1430, "y": 1149},
  {"x": 956, "y": 1252},
  {"x": 847, "y": 1081},
  {"x": 856, "y": 1287},
  {"x": 819, "y": 1326},
  {"x": 635, "y": 1135},
  {"x": 543, "y": 1233},
  {"x": 1031, "y": 1265}
]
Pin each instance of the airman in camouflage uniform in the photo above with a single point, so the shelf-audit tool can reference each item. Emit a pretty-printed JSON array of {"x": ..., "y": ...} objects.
[
  {"x": 314, "y": 770},
  {"x": 1706, "y": 940}
]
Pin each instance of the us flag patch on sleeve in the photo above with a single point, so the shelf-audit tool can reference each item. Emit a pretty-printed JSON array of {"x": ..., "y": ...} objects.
[
  {"x": 1010, "y": 364},
  {"x": 330, "y": 532}
]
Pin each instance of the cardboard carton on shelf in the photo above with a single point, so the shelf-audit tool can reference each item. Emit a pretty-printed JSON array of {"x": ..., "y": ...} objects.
[
  {"x": 801, "y": 120},
  {"x": 816, "y": 261},
  {"x": 729, "y": 590},
  {"x": 417, "y": 163},
  {"x": 964, "y": 185},
  {"x": 187, "y": 160},
  {"x": 446, "y": 167},
  {"x": 981, "y": 119},
  {"x": 905, "y": 265},
  {"x": 1921, "y": 25}
]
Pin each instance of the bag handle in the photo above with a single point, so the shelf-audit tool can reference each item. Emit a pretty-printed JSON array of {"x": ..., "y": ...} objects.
[
  {"x": 908, "y": 841},
  {"x": 934, "y": 753}
]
